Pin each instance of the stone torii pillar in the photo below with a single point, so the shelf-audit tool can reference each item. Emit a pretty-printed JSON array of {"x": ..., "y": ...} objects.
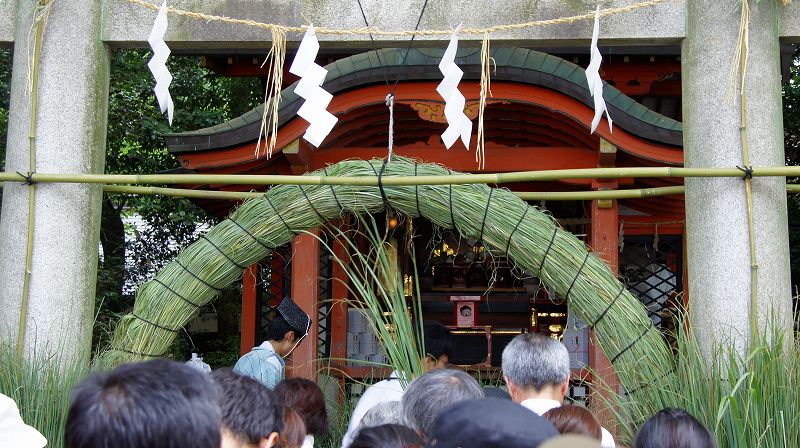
[
  {"x": 716, "y": 215},
  {"x": 70, "y": 138}
]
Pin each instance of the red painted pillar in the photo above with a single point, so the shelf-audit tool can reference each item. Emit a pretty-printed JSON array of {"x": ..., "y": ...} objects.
[
  {"x": 249, "y": 312},
  {"x": 305, "y": 292},
  {"x": 278, "y": 280},
  {"x": 604, "y": 240}
]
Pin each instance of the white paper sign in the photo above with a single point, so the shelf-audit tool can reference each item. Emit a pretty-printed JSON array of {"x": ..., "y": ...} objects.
[
  {"x": 593, "y": 76},
  {"x": 314, "y": 109},
  {"x": 459, "y": 125},
  {"x": 158, "y": 63}
]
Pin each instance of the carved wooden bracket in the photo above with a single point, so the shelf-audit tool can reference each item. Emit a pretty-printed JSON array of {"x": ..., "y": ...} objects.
[{"x": 434, "y": 111}]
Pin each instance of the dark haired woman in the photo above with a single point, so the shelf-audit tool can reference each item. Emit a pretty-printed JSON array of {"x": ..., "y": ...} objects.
[
  {"x": 387, "y": 436},
  {"x": 571, "y": 419},
  {"x": 294, "y": 431},
  {"x": 306, "y": 398},
  {"x": 673, "y": 428}
]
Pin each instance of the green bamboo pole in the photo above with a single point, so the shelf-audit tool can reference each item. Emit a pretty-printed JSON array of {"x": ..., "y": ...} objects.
[
  {"x": 748, "y": 182},
  {"x": 599, "y": 194},
  {"x": 26, "y": 281},
  {"x": 527, "y": 195},
  {"x": 459, "y": 179}
]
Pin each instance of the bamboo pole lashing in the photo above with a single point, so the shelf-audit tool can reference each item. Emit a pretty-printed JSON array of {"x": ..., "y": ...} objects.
[
  {"x": 741, "y": 61},
  {"x": 456, "y": 179},
  {"x": 41, "y": 11}
]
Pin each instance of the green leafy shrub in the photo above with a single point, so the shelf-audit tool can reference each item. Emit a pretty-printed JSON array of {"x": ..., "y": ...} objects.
[
  {"x": 41, "y": 386},
  {"x": 747, "y": 399}
]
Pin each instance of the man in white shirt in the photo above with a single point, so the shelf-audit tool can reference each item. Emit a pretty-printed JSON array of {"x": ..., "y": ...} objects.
[
  {"x": 13, "y": 431},
  {"x": 536, "y": 370},
  {"x": 438, "y": 347}
]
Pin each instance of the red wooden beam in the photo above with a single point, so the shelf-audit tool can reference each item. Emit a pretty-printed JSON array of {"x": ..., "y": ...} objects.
[
  {"x": 345, "y": 102},
  {"x": 519, "y": 122},
  {"x": 305, "y": 292},
  {"x": 249, "y": 311},
  {"x": 646, "y": 225},
  {"x": 498, "y": 158}
]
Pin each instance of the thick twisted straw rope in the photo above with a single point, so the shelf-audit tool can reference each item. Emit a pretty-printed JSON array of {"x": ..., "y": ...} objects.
[
  {"x": 506, "y": 224},
  {"x": 379, "y": 32}
]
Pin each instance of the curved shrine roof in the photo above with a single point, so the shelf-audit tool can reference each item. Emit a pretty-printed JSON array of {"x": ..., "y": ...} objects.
[{"x": 513, "y": 65}]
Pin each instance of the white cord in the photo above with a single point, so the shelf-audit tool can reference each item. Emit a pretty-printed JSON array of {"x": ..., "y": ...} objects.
[{"x": 390, "y": 103}]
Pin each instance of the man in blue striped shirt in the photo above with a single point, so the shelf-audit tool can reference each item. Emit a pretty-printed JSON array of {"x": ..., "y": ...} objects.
[{"x": 266, "y": 362}]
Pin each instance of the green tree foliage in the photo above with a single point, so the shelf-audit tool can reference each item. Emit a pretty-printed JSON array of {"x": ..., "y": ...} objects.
[
  {"x": 791, "y": 135},
  {"x": 5, "y": 95},
  {"x": 135, "y": 144},
  {"x": 791, "y": 113}
]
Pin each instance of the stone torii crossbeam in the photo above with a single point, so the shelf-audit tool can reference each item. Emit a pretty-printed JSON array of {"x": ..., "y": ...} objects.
[{"x": 72, "y": 118}]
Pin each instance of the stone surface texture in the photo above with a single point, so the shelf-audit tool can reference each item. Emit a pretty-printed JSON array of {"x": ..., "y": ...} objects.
[
  {"x": 131, "y": 23},
  {"x": 70, "y": 138},
  {"x": 126, "y": 24},
  {"x": 7, "y": 22},
  {"x": 716, "y": 215}
]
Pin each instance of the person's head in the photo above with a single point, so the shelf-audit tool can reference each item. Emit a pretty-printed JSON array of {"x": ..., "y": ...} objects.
[
  {"x": 383, "y": 413},
  {"x": 251, "y": 413},
  {"x": 673, "y": 428},
  {"x": 142, "y": 405},
  {"x": 570, "y": 419},
  {"x": 431, "y": 392},
  {"x": 495, "y": 392},
  {"x": 387, "y": 436},
  {"x": 294, "y": 432},
  {"x": 438, "y": 345},
  {"x": 288, "y": 327},
  {"x": 536, "y": 366},
  {"x": 307, "y": 399},
  {"x": 489, "y": 423}
]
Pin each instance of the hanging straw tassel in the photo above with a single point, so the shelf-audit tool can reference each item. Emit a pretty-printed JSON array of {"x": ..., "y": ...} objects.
[
  {"x": 272, "y": 94},
  {"x": 486, "y": 90},
  {"x": 739, "y": 57}
]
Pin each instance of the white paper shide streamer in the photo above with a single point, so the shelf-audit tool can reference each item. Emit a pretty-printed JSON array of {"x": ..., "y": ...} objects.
[
  {"x": 593, "y": 77},
  {"x": 314, "y": 109},
  {"x": 458, "y": 124},
  {"x": 158, "y": 63}
]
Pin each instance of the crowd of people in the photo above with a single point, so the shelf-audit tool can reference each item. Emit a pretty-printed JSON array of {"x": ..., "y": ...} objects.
[{"x": 163, "y": 403}]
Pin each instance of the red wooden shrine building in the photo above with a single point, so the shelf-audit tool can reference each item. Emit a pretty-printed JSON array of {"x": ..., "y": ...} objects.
[{"x": 537, "y": 119}]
